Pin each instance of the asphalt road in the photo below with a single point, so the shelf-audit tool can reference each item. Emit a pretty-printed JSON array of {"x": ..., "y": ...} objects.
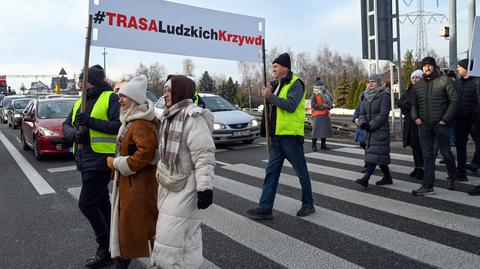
[{"x": 382, "y": 227}]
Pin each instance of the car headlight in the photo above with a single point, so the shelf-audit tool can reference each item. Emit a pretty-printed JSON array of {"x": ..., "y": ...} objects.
[
  {"x": 218, "y": 126},
  {"x": 17, "y": 116},
  {"x": 47, "y": 132},
  {"x": 254, "y": 123}
]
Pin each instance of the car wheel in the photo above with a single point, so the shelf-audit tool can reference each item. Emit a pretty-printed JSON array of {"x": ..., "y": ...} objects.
[
  {"x": 250, "y": 141},
  {"x": 36, "y": 152},
  {"x": 24, "y": 143}
]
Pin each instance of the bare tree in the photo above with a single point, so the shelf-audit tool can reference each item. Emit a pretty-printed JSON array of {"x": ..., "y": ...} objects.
[{"x": 188, "y": 67}]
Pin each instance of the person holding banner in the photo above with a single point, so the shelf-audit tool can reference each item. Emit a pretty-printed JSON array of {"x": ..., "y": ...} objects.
[
  {"x": 134, "y": 192},
  {"x": 101, "y": 122},
  {"x": 185, "y": 174},
  {"x": 286, "y": 98}
]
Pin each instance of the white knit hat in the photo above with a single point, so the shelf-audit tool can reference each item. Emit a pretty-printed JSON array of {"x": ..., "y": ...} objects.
[
  {"x": 136, "y": 89},
  {"x": 416, "y": 73}
]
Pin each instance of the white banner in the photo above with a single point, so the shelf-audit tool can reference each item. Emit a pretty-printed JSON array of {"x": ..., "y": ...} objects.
[
  {"x": 474, "y": 63},
  {"x": 166, "y": 27}
]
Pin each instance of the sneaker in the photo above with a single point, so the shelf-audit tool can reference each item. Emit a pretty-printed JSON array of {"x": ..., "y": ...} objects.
[
  {"x": 475, "y": 191},
  {"x": 424, "y": 190},
  {"x": 305, "y": 210},
  {"x": 260, "y": 213},
  {"x": 385, "y": 181},
  {"x": 101, "y": 259}
]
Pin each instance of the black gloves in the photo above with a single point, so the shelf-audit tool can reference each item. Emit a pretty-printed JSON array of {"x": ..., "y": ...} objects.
[
  {"x": 365, "y": 126},
  {"x": 205, "y": 199},
  {"x": 80, "y": 138},
  {"x": 82, "y": 119}
]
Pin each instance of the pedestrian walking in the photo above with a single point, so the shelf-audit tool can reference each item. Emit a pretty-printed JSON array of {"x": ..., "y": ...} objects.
[
  {"x": 286, "y": 98},
  {"x": 465, "y": 88},
  {"x": 433, "y": 110},
  {"x": 134, "y": 190},
  {"x": 101, "y": 120},
  {"x": 185, "y": 174},
  {"x": 321, "y": 103},
  {"x": 410, "y": 129},
  {"x": 373, "y": 118}
]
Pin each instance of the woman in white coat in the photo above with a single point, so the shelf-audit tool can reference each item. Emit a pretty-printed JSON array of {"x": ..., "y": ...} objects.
[{"x": 185, "y": 176}]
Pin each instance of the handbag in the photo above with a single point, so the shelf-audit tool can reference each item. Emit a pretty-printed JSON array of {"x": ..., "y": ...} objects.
[{"x": 172, "y": 181}]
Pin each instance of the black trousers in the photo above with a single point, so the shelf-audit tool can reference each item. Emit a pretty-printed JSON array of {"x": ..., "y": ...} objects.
[{"x": 94, "y": 202}]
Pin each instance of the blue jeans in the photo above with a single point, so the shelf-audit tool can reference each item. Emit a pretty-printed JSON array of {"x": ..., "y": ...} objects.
[
  {"x": 462, "y": 130},
  {"x": 281, "y": 148},
  {"x": 429, "y": 135}
]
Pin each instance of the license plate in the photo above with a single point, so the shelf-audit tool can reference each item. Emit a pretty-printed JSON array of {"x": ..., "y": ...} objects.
[
  {"x": 59, "y": 146},
  {"x": 241, "y": 133}
]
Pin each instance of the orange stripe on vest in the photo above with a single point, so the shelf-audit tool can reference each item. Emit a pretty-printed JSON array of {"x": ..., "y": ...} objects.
[{"x": 316, "y": 112}]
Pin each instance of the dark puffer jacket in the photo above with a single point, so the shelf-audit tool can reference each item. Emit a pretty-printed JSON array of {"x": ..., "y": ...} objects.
[
  {"x": 410, "y": 129},
  {"x": 376, "y": 113},
  {"x": 435, "y": 99},
  {"x": 466, "y": 98}
]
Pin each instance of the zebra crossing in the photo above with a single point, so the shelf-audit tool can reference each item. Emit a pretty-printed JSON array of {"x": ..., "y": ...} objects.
[{"x": 383, "y": 227}]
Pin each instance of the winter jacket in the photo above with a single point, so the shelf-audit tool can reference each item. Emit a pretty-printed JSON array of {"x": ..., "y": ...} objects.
[
  {"x": 466, "y": 98},
  {"x": 134, "y": 191},
  {"x": 87, "y": 159},
  {"x": 178, "y": 240},
  {"x": 376, "y": 113},
  {"x": 360, "y": 135},
  {"x": 290, "y": 104},
  {"x": 435, "y": 99},
  {"x": 410, "y": 129}
]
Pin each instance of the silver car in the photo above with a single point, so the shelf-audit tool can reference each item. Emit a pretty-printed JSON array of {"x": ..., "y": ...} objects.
[{"x": 231, "y": 124}]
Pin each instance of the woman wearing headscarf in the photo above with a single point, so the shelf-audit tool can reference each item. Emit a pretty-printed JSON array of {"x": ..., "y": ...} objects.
[
  {"x": 185, "y": 174},
  {"x": 321, "y": 103},
  {"x": 134, "y": 192},
  {"x": 374, "y": 111},
  {"x": 410, "y": 129}
]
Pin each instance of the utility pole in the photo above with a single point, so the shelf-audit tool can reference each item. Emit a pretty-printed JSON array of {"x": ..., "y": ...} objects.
[{"x": 452, "y": 13}]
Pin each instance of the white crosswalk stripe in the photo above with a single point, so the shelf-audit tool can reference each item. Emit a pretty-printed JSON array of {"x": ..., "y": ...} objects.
[{"x": 393, "y": 228}]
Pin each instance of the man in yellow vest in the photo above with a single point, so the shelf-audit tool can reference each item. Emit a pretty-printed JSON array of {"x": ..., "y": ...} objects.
[
  {"x": 286, "y": 99},
  {"x": 101, "y": 119}
]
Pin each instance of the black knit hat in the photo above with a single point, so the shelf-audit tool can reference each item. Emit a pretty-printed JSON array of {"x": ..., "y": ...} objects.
[
  {"x": 318, "y": 82},
  {"x": 283, "y": 60},
  {"x": 96, "y": 75},
  {"x": 463, "y": 63},
  {"x": 428, "y": 60}
]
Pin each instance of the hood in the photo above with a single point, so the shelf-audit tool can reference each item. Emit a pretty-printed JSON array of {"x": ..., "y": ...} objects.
[
  {"x": 232, "y": 117},
  {"x": 195, "y": 111},
  {"x": 52, "y": 124}
]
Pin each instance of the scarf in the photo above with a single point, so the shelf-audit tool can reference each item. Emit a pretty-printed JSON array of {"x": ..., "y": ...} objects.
[
  {"x": 370, "y": 95},
  {"x": 171, "y": 131}
]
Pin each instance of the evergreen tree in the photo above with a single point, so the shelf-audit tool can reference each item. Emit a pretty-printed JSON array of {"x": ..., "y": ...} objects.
[
  {"x": 407, "y": 69},
  {"x": 351, "y": 93},
  {"x": 360, "y": 88},
  {"x": 206, "y": 83},
  {"x": 341, "y": 92}
]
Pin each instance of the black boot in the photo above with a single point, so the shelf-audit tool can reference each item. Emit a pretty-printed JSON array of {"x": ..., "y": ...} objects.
[
  {"x": 451, "y": 183},
  {"x": 387, "y": 178},
  {"x": 324, "y": 144},
  {"x": 102, "y": 258},
  {"x": 314, "y": 144},
  {"x": 121, "y": 264},
  {"x": 363, "y": 181}
]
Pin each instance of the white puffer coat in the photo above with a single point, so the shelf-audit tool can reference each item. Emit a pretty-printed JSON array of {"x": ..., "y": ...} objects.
[{"x": 178, "y": 240}]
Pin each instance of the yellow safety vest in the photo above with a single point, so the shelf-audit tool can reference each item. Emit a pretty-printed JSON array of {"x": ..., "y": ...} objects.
[
  {"x": 100, "y": 142},
  {"x": 290, "y": 123}
]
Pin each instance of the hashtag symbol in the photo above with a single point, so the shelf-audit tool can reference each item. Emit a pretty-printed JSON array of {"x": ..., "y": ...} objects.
[{"x": 99, "y": 17}]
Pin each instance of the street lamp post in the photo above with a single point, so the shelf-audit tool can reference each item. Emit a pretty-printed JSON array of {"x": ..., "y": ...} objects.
[{"x": 104, "y": 53}]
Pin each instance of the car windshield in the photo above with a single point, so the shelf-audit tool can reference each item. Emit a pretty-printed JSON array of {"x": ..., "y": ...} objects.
[
  {"x": 20, "y": 104},
  {"x": 56, "y": 109},
  {"x": 217, "y": 103}
]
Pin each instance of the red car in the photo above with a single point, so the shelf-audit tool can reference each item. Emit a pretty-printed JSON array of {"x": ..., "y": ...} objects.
[{"x": 42, "y": 126}]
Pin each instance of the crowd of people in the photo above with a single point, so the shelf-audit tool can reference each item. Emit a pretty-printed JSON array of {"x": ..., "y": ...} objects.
[{"x": 162, "y": 169}]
